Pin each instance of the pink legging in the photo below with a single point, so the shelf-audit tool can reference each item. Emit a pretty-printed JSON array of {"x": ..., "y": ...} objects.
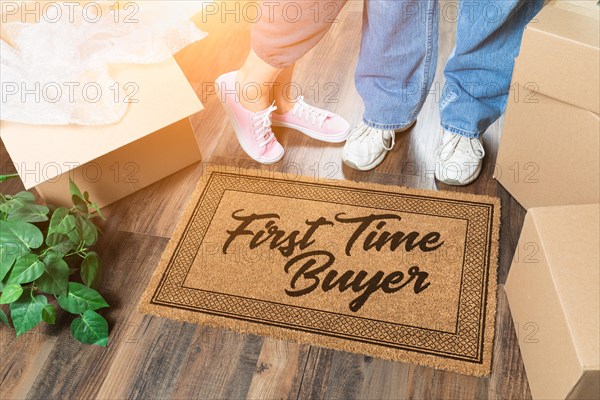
[{"x": 288, "y": 29}]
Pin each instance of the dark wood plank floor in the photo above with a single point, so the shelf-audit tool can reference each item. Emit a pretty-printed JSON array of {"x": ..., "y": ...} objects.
[{"x": 152, "y": 358}]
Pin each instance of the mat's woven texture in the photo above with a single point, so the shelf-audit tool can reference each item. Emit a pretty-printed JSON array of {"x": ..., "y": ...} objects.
[{"x": 391, "y": 272}]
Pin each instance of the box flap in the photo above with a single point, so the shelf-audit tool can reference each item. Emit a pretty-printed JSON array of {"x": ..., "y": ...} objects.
[
  {"x": 41, "y": 153},
  {"x": 584, "y": 7},
  {"x": 570, "y": 237},
  {"x": 560, "y": 55}
]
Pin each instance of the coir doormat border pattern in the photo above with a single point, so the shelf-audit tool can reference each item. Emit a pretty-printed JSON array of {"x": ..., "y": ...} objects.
[{"x": 469, "y": 350}]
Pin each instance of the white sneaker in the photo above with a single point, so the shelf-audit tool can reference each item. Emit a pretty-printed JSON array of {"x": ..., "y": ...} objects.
[
  {"x": 458, "y": 159},
  {"x": 367, "y": 147}
]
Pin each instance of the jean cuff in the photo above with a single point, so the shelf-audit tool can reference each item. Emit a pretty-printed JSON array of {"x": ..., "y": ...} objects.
[
  {"x": 461, "y": 132},
  {"x": 386, "y": 127}
]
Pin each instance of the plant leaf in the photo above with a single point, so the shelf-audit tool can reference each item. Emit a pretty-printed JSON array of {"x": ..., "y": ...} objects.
[
  {"x": 80, "y": 204},
  {"x": 3, "y": 318},
  {"x": 74, "y": 189},
  {"x": 95, "y": 207},
  {"x": 25, "y": 196},
  {"x": 89, "y": 268},
  {"x": 85, "y": 232},
  {"x": 8, "y": 255},
  {"x": 59, "y": 243},
  {"x": 90, "y": 232},
  {"x": 49, "y": 314},
  {"x": 28, "y": 213},
  {"x": 78, "y": 199},
  {"x": 90, "y": 328},
  {"x": 55, "y": 238},
  {"x": 27, "y": 269},
  {"x": 26, "y": 312},
  {"x": 22, "y": 234},
  {"x": 55, "y": 278},
  {"x": 61, "y": 221},
  {"x": 76, "y": 235},
  {"x": 80, "y": 298},
  {"x": 4, "y": 178},
  {"x": 17, "y": 202},
  {"x": 11, "y": 293}
]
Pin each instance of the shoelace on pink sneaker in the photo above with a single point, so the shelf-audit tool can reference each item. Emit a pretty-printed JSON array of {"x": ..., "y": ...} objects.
[
  {"x": 262, "y": 120},
  {"x": 309, "y": 113},
  {"x": 464, "y": 145},
  {"x": 368, "y": 132}
]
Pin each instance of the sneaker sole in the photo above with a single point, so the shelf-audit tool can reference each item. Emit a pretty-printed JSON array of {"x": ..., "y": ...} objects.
[
  {"x": 379, "y": 159},
  {"x": 368, "y": 167},
  {"x": 453, "y": 182},
  {"x": 237, "y": 129},
  {"x": 313, "y": 134}
]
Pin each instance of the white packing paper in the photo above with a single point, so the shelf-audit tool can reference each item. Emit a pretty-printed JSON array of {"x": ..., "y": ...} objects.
[{"x": 57, "y": 71}]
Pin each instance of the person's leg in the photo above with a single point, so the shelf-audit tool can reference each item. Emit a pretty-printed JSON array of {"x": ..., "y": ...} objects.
[
  {"x": 479, "y": 71},
  {"x": 284, "y": 32},
  {"x": 397, "y": 60},
  {"x": 278, "y": 87},
  {"x": 395, "y": 70},
  {"x": 478, "y": 75},
  {"x": 252, "y": 81},
  {"x": 283, "y": 90}
]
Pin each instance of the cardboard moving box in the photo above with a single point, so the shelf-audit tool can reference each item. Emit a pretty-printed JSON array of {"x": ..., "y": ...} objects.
[
  {"x": 550, "y": 144},
  {"x": 554, "y": 297},
  {"x": 153, "y": 140}
]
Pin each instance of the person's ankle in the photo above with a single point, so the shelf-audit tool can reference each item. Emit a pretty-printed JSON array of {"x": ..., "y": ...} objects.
[{"x": 253, "y": 104}]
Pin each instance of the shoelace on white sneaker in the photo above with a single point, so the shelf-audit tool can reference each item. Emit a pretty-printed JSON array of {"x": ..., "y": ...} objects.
[
  {"x": 309, "y": 113},
  {"x": 370, "y": 133},
  {"x": 262, "y": 120},
  {"x": 463, "y": 144}
]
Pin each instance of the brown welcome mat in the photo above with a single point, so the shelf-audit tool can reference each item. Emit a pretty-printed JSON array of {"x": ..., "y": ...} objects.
[{"x": 396, "y": 273}]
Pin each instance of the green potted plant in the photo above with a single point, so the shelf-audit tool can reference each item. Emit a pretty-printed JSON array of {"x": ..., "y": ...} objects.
[{"x": 46, "y": 255}]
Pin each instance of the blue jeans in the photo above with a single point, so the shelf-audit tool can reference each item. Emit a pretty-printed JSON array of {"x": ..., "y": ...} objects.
[{"x": 398, "y": 58}]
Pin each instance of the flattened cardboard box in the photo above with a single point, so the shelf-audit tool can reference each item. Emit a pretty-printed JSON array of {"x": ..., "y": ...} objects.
[
  {"x": 550, "y": 141},
  {"x": 152, "y": 141},
  {"x": 554, "y": 297}
]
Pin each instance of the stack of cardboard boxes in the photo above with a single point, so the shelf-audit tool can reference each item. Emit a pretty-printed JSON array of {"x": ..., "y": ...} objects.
[
  {"x": 549, "y": 161},
  {"x": 549, "y": 149}
]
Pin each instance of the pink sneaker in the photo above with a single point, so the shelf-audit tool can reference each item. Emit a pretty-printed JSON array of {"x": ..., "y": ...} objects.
[
  {"x": 253, "y": 130},
  {"x": 314, "y": 122}
]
